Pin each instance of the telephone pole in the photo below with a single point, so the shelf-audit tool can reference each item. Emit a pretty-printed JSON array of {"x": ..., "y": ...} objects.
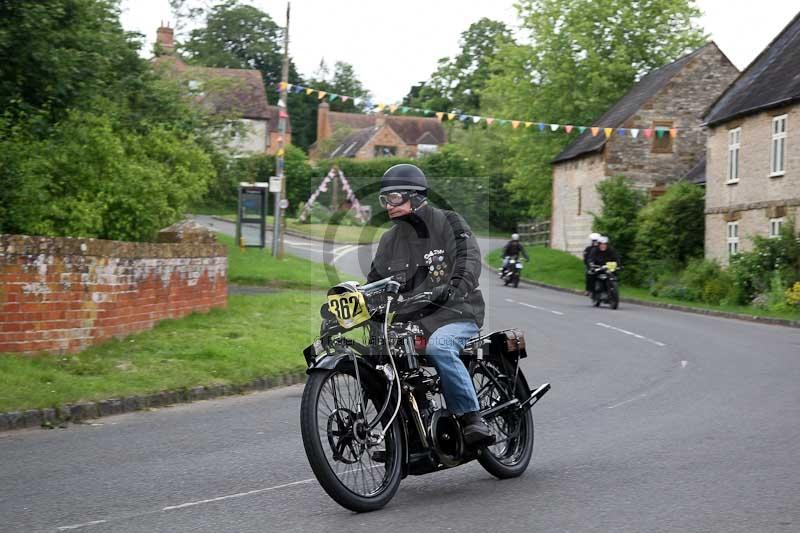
[{"x": 283, "y": 116}]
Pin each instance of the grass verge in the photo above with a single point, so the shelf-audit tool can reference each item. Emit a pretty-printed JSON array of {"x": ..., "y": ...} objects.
[
  {"x": 563, "y": 269},
  {"x": 337, "y": 234},
  {"x": 256, "y": 266},
  {"x": 255, "y": 336}
]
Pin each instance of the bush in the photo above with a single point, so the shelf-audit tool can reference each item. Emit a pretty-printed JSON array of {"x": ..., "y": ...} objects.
[
  {"x": 793, "y": 295},
  {"x": 701, "y": 281},
  {"x": 754, "y": 272},
  {"x": 621, "y": 205},
  {"x": 91, "y": 178},
  {"x": 671, "y": 226}
]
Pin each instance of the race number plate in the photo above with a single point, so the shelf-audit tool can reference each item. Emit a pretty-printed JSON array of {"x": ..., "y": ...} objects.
[
  {"x": 611, "y": 266},
  {"x": 349, "y": 308}
]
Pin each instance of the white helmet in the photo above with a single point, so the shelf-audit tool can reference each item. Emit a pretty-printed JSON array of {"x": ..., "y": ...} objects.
[
  {"x": 515, "y": 236},
  {"x": 594, "y": 236},
  {"x": 602, "y": 239}
]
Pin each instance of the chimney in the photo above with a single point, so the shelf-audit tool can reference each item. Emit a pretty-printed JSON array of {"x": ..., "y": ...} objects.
[
  {"x": 380, "y": 119},
  {"x": 165, "y": 40},
  {"x": 323, "y": 124}
]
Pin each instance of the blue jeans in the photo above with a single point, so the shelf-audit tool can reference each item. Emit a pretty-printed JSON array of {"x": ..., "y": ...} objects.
[{"x": 443, "y": 348}]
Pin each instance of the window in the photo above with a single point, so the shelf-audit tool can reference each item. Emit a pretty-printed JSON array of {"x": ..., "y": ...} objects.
[
  {"x": 734, "y": 144},
  {"x": 775, "y": 225},
  {"x": 662, "y": 140},
  {"x": 423, "y": 149},
  {"x": 382, "y": 151},
  {"x": 777, "y": 159},
  {"x": 733, "y": 238}
]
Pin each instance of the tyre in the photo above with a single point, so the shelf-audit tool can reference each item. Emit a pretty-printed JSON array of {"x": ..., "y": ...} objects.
[
  {"x": 344, "y": 461},
  {"x": 511, "y": 453},
  {"x": 613, "y": 296},
  {"x": 596, "y": 301},
  {"x": 516, "y": 281}
]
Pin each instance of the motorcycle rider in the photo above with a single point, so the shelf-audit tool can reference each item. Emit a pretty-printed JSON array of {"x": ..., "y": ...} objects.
[
  {"x": 593, "y": 237},
  {"x": 513, "y": 248},
  {"x": 603, "y": 254},
  {"x": 430, "y": 249}
]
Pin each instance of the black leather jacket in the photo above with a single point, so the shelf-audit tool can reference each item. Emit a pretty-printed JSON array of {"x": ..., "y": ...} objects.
[
  {"x": 429, "y": 248},
  {"x": 515, "y": 249}
]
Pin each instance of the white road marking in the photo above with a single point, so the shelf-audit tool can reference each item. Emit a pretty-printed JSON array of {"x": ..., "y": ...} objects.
[
  {"x": 78, "y": 526},
  {"x": 541, "y": 308},
  {"x": 684, "y": 363},
  {"x": 627, "y": 401},
  {"x": 632, "y": 334},
  {"x": 340, "y": 252},
  {"x": 238, "y": 495},
  {"x": 559, "y": 313}
]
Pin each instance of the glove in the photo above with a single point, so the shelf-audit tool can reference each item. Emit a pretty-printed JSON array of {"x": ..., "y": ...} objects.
[{"x": 441, "y": 293}]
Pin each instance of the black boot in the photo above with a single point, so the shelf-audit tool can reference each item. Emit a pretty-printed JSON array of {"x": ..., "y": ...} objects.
[{"x": 476, "y": 432}]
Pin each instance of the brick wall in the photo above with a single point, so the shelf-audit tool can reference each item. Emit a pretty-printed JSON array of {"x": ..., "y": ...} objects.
[
  {"x": 756, "y": 196},
  {"x": 64, "y": 294},
  {"x": 386, "y": 136}
]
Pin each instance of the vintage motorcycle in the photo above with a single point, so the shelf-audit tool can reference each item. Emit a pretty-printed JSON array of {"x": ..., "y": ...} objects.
[
  {"x": 510, "y": 274},
  {"x": 606, "y": 284},
  {"x": 370, "y": 415}
]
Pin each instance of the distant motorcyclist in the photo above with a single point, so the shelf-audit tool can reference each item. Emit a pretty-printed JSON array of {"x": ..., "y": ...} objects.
[
  {"x": 513, "y": 248},
  {"x": 593, "y": 238},
  {"x": 603, "y": 254}
]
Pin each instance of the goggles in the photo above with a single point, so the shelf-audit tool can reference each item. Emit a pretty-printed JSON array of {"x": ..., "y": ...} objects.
[{"x": 393, "y": 198}]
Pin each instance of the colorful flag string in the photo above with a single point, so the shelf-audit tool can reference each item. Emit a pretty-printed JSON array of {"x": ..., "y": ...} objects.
[{"x": 648, "y": 133}]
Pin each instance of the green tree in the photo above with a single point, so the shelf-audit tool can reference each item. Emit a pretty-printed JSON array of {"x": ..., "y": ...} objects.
[
  {"x": 671, "y": 227},
  {"x": 621, "y": 205},
  {"x": 458, "y": 82},
  {"x": 61, "y": 54},
  {"x": 584, "y": 55},
  {"x": 92, "y": 142}
]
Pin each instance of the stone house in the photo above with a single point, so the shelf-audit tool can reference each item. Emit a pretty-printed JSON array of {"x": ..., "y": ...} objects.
[
  {"x": 753, "y": 169},
  {"x": 376, "y": 135},
  {"x": 234, "y": 93},
  {"x": 674, "y": 97}
]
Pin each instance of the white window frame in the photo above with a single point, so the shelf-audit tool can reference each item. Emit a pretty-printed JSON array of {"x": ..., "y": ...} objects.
[
  {"x": 733, "y": 238},
  {"x": 775, "y": 225},
  {"x": 734, "y": 152},
  {"x": 779, "y": 129}
]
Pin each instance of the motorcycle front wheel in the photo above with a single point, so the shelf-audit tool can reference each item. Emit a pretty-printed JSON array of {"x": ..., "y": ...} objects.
[
  {"x": 511, "y": 453},
  {"x": 613, "y": 296},
  {"x": 357, "y": 473}
]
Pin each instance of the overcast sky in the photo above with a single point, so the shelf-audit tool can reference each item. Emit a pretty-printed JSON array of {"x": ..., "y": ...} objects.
[{"x": 394, "y": 44}]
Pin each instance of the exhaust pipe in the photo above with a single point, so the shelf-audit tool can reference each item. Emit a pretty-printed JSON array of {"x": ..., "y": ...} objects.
[{"x": 535, "y": 397}]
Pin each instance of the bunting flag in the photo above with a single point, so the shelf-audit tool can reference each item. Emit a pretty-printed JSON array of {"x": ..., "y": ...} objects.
[
  {"x": 361, "y": 212},
  {"x": 452, "y": 115}
]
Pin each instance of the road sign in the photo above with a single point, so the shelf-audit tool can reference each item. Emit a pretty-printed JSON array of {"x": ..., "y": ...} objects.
[
  {"x": 275, "y": 184},
  {"x": 284, "y": 203}
]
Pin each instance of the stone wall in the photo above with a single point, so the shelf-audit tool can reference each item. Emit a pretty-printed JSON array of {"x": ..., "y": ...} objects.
[
  {"x": 755, "y": 197},
  {"x": 575, "y": 197},
  {"x": 64, "y": 294},
  {"x": 682, "y": 102}
]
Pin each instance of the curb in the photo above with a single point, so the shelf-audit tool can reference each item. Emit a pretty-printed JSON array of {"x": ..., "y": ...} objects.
[
  {"x": 52, "y": 417},
  {"x": 306, "y": 236},
  {"x": 673, "y": 307}
]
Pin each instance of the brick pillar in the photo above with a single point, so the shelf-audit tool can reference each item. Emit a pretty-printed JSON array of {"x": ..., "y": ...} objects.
[{"x": 323, "y": 123}]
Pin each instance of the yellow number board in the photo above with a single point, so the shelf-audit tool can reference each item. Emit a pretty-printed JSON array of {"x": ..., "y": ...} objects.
[
  {"x": 350, "y": 308},
  {"x": 611, "y": 266}
]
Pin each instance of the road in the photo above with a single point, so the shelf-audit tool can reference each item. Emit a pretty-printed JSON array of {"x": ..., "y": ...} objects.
[{"x": 657, "y": 421}]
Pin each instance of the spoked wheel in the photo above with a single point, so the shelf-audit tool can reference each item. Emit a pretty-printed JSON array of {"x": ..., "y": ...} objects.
[
  {"x": 510, "y": 454},
  {"x": 355, "y": 470}
]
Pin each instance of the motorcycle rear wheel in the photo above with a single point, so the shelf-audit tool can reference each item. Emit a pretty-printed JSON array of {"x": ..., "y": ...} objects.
[
  {"x": 342, "y": 460},
  {"x": 510, "y": 455}
]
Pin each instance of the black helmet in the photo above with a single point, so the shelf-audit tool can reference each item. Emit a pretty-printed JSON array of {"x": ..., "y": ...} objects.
[{"x": 404, "y": 177}]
